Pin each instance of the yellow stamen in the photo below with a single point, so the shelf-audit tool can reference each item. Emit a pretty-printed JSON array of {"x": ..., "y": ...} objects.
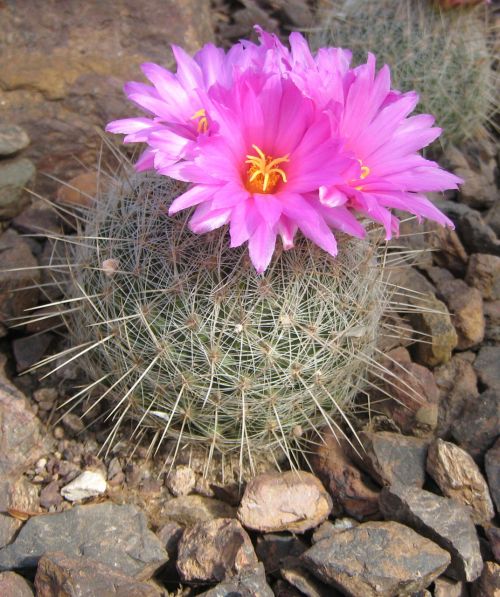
[
  {"x": 263, "y": 175},
  {"x": 201, "y": 115},
  {"x": 365, "y": 171}
]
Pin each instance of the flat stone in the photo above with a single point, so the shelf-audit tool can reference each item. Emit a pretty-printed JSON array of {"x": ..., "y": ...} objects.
[
  {"x": 477, "y": 428},
  {"x": 13, "y": 138},
  {"x": 327, "y": 529},
  {"x": 15, "y": 175},
  {"x": 377, "y": 558},
  {"x": 88, "y": 484},
  {"x": 391, "y": 457},
  {"x": 18, "y": 274},
  {"x": 14, "y": 585},
  {"x": 457, "y": 383},
  {"x": 181, "y": 480},
  {"x": 39, "y": 217},
  {"x": 60, "y": 574},
  {"x": 251, "y": 582},
  {"x": 483, "y": 272},
  {"x": 492, "y": 466},
  {"x": 291, "y": 501},
  {"x": 211, "y": 551},
  {"x": 80, "y": 191},
  {"x": 352, "y": 490},
  {"x": 441, "y": 520},
  {"x": 488, "y": 585},
  {"x": 117, "y": 536},
  {"x": 466, "y": 307},
  {"x": 458, "y": 477},
  {"x": 299, "y": 577},
  {"x": 190, "y": 509},
  {"x": 447, "y": 587},
  {"x": 22, "y": 439},
  {"x": 487, "y": 366}
]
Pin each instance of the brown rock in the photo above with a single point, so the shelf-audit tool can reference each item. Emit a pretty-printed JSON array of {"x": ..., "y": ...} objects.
[
  {"x": 210, "y": 551},
  {"x": 39, "y": 217},
  {"x": 393, "y": 458},
  {"x": 492, "y": 466},
  {"x": 493, "y": 535},
  {"x": 18, "y": 270},
  {"x": 190, "y": 509},
  {"x": 14, "y": 585},
  {"x": 377, "y": 558},
  {"x": 457, "y": 383},
  {"x": 62, "y": 575},
  {"x": 50, "y": 495},
  {"x": 487, "y": 366},
  {"x": 434, "y": 320},
  {"x": 412, "y": 388},
  {"x": 283, "y": 589},
  {"x": 292, "y": 501},
  {"x": 458, "y": 477},
  {"x": 80, "y": 190},
  {"x": 492, "y": 318},
  {"x": 17, "y": 493},
  {"x": 447, "y": 249},
  {"x": 298, "y": 576},
  {"x": 466, "y": 307},
  {"x": 352, "y": 490},
  {"x": 85, "y": 70},
  {"x": 15, "y": 175},
  {"x": 477, "y": 428},
  {"x": 483, "y": 273},
  {"x": 170, "y": 534},
  {"x": 181, "y": 480},
  {"x": 488, "y": 585},
  {"x": 22, "y": 440},
  {"x": 446, "y": 587},
  {"x": 273, "y": 550},
  {"x": 439, "y": 519}
]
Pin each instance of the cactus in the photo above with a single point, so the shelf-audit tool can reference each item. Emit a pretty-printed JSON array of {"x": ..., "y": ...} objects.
[
  {"x": 183, "y": 337},
  {"x": 444, "y": 55}
]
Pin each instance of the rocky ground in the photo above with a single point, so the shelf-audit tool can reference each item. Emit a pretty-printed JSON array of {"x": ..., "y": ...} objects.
[{"x": 416, "y": 513}]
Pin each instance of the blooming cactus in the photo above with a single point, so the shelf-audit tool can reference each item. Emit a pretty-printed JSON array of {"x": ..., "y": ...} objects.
[{"x": 275, "y": 140}]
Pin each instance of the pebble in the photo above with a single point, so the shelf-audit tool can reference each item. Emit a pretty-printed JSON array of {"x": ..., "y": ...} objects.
[
  {"x": 376, "y": 558},
  {"x": 181, "y": 481},
  {"x": 80, "y": 190},
  {"x": 459, "y": 478},
  {"x": 487, "y": 366},
  {"x": 13, "y": 138},
  {"x": 293, "y": 501},
  {"x": 50, "y": 495},
  {"x": 211, "y": 551},
  {"x": 440, "y": 519},
  {"x": 88, "y": 484}
]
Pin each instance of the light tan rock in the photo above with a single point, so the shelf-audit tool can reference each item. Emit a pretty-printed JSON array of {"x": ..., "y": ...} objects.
[{"x": 293, "y": 501}]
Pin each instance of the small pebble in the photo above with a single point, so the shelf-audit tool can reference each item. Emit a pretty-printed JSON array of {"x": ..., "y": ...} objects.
[{"x": 88, "y": 484}]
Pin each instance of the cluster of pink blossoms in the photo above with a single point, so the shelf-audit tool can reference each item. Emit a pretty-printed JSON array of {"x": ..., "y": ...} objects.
[{"x": 276, "y": 140}]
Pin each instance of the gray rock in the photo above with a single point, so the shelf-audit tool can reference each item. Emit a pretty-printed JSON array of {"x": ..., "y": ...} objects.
[
  {"x": 13, "y": 138},
  {"x": 250, "y": 583},
  {"x": 459, "y": 478},
  {"x": 170, "y": 534},
  {"x": 18, "y": 275},
  {"x": 391, "y": 457},
  {"x": 14, "y": 585},
  {"x": 117, "y": 536},
  {"x": 492, "y": 218},
  {"x": 291, "y": 501},
  {"x": 300, "y": 578},
  {"x": 446, "y": 587},
  {"x": 14, "y": 176},
  {"x": 492, "y": 466},
  {"x": 8, "y": 529},
  {"x": 211, "y": 551},
  {"x": 377, "y": 558},
  {"x": 440, "y": 519},
  {"x": 60, "y": 574},
  {"x": 29, "y": 350},
  {"x": 487, "y": 366},
  {"x": 477, "y": 427},
  {"x": 38, "y": 217}
]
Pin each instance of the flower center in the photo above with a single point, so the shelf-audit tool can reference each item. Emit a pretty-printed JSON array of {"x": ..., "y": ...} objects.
[
  {"x": 264, "y": 175},
  {"x": 202, "y": 118},
  {"x": 365, "y": 171}
]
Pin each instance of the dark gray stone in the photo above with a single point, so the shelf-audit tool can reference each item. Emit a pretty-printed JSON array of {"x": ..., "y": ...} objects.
[
  {"x": 59, "y": 574},
  {"x": 273, "y": 549},
  {"x": 492, "y": 466},
  {"x": 377, "y": 558},
  {"x": 440, "y": 519},
  {"x": 251, "y": 582},
  {"x": 13, "y": 138},
  {"x": 117, "y": 536},
  {"x": 8, "y": 529}
]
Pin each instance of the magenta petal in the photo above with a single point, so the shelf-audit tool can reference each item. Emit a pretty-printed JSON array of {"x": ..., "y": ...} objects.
[
  {"x": 331, "y": 197},
  {"x": 269, "y": 208},
  {"x": 287, "y": 230},
  {"x": 415, "y": 204},
  {"x": 261, "y": 246},
  {"x": 229, "y": 195},
  {"x": 342, "y": 219},
  {"x": 128, "y": 126},
  {"x": 205, "y": 219},
  {"x": 188, "y": 71},
  {"x": 145, "y": 161},
  {"x": 195, "y": 195},
  {"x": 244, "y": 221}
]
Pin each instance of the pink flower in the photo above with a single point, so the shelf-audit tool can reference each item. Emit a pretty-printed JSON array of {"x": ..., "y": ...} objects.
[{"x": 262, "y": 170}]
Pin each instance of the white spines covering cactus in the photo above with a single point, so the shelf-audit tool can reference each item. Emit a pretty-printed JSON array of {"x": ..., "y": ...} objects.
[
  {"x": 445, "y": 55},
  {"x": 180, "y": 334}
]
